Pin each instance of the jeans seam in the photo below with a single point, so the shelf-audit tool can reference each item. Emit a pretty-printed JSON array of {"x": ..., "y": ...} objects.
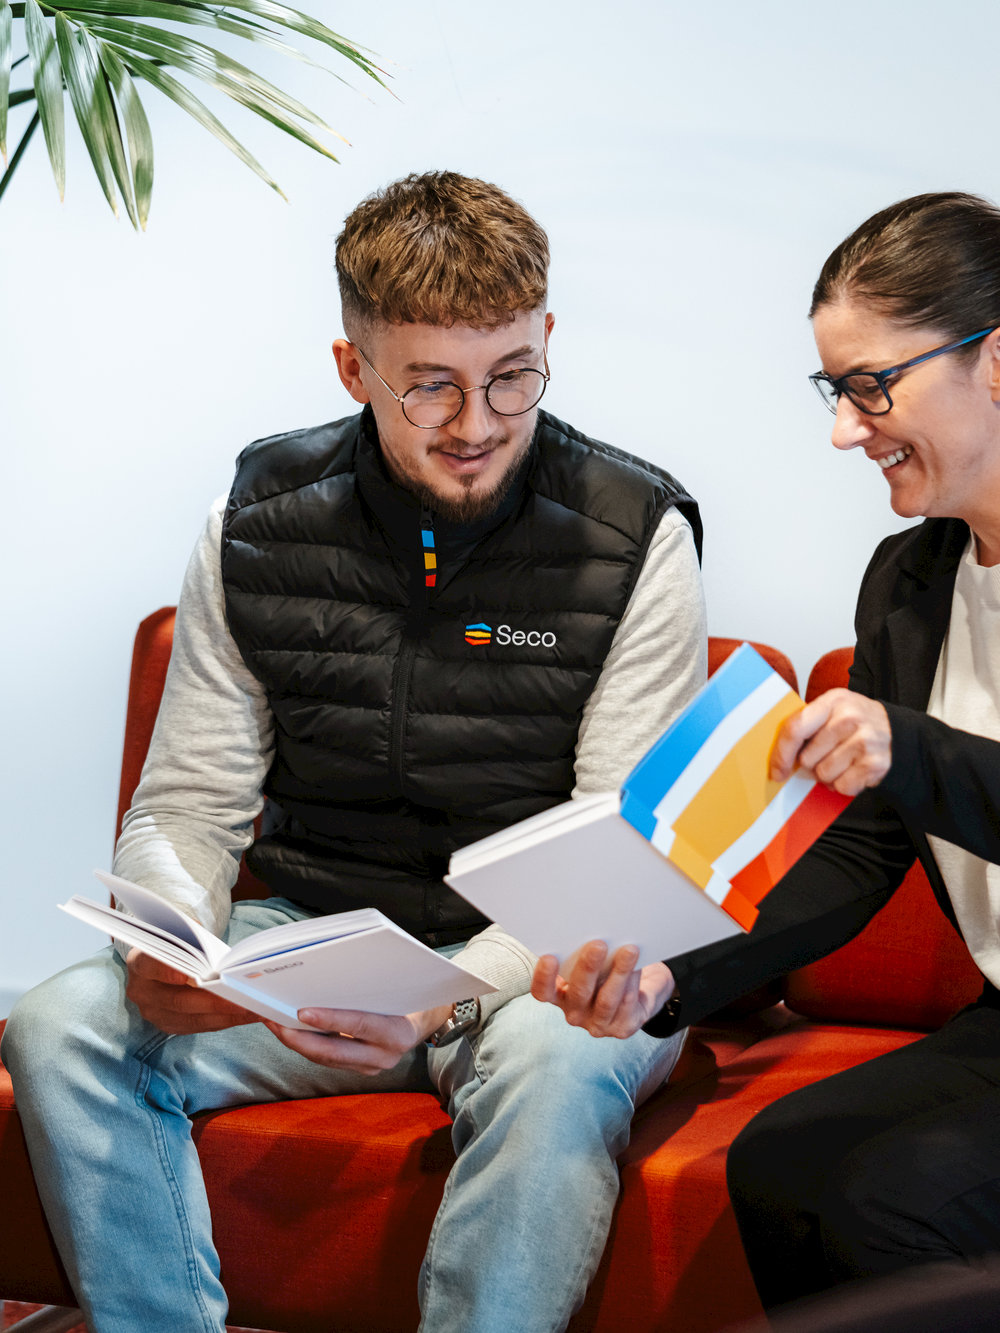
[
  {"x": 587, "y": 1263},
  {"x": 170, "y": 1176},
  {"x": 428, "y": 1263}
]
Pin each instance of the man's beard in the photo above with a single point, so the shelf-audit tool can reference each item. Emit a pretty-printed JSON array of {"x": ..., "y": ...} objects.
[{"x": 476, "y": 503}]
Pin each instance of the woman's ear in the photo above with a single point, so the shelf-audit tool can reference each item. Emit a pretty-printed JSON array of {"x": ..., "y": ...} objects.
[
  {"x": 349, "y": 367},
  {"x": 992, "y": 345}
]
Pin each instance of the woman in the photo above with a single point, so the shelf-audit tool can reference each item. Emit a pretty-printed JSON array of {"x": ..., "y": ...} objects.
[{"x": 896, "y": 1161}]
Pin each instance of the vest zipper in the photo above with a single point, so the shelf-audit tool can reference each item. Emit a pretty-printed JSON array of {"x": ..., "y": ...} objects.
[{"x": 408, "y": 652}]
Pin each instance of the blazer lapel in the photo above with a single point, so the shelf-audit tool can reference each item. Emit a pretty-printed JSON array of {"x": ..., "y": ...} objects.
[
  {"x": 917, "y": 628},
  {"x": 916, "y": 633}
]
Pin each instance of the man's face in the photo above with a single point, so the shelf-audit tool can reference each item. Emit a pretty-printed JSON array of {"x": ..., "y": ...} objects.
[{"x": 461, "y": 470}]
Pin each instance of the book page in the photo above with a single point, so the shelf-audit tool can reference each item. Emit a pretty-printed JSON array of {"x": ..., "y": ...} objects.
[
  {"x": 151, "y": 940},
  {"x": 156, "y": 911},
  {"x": 277, "y": 940},
  {"x": 348, "y": 960},
  {"x": 537, "y": 828}
]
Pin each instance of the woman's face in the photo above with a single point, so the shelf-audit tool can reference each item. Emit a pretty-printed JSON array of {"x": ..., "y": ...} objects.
[{"x": 939, "y": 445}]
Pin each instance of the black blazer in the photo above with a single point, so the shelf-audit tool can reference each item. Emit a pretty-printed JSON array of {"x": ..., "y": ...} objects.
[{"x": 942, "y": 781}]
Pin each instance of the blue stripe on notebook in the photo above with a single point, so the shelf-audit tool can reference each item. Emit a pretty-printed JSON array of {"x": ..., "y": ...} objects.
[
  {"x": 657, "y": 771},
  {"x": 638, "y": 815}
]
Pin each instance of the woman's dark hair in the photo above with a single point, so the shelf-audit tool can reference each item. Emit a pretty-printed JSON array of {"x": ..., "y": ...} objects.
[{"x": 930, "y": 260}]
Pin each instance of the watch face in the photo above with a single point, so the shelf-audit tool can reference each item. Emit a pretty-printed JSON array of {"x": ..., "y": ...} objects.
[{"x": 466, "y": 1013}]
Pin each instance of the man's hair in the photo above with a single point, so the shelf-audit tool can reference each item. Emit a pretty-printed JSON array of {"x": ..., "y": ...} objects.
[
  {"x": 932, "y": 260},
  {"x": 440, "y": 249}
]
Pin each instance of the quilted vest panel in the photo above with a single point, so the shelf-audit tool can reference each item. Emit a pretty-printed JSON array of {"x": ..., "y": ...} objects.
[{"x": 411, "y": 721}]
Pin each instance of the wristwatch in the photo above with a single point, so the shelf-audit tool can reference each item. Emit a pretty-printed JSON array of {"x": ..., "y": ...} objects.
[{"x": 463, "y": 1017}]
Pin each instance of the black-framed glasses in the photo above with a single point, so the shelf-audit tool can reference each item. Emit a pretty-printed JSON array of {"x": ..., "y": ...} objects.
[
  {"x": 868, "y": 390},
  {"x": 434, "y": 404}
]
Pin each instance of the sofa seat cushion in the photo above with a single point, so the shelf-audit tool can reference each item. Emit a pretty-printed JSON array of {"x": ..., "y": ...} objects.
[
  {"x": 325, "y": 1206},
  {"x": 29, "y": 1267},
  {"x": 675, "y": 1259}
]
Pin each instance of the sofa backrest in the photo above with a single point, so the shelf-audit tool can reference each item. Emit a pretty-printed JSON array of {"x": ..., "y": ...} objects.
[
  {"x": 720, "y": 649},
  {"x": 150, "y": 657},
  {"x": 909, "y": 967}
]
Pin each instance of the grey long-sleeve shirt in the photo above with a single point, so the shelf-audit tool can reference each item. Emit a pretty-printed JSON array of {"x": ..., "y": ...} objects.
[{"x": 201, "y": 787}]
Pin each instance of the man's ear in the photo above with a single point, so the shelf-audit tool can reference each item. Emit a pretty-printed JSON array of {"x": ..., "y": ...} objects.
[{"x": 349, "y": 368}]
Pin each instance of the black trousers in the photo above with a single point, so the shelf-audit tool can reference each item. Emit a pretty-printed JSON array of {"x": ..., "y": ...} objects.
[
  {"x": 934, "y": 1298},
  {"x": 892, "y": 1163}
]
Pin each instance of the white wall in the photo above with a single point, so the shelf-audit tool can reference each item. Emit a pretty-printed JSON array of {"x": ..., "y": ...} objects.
[{"x": 693, "y": 165}]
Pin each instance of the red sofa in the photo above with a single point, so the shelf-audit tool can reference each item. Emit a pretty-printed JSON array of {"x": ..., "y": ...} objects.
[{"x": 322, "y": 1207}]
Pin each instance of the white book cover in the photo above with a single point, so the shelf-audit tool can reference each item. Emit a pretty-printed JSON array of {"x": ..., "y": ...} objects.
[
  {"x": 350, "y": 960},
  {"x": 681, "y": 855},
  {"x": 594, "y": 878}
]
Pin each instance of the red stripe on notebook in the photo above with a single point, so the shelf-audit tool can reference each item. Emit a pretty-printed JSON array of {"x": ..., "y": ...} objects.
[{"x": 819, "y": 809}]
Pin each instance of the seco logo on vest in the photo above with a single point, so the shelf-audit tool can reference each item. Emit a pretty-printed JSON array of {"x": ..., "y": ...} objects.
[{"x": 478, "y": 635}]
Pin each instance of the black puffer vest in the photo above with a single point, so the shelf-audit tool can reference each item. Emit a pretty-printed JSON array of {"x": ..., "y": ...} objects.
[{"x": 411, "y": 721}]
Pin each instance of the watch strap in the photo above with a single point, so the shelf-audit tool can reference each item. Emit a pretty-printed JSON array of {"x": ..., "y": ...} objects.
[{"x": 463, "y": 1017}]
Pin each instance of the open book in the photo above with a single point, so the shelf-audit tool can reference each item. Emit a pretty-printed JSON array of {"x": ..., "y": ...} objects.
[
  {"x": 351, "y": 960},
  {"x": 682, "y": 855}
]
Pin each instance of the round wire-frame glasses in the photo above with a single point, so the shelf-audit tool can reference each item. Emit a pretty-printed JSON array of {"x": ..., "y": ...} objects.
[
  {"x": 436, "y": 403},
  {"x": 868, "y": 390}
]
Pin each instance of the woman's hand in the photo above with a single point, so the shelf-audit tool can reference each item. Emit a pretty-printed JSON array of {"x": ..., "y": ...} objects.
[
  {"x": 842, "y": 738},
  {"x": 608, "y": 999}
]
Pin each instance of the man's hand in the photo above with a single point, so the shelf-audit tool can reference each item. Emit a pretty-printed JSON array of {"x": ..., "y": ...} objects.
[
  {"x": 173, "y": 1003},
  {"x": 609, "y": 1001},
  {"x": 365, "y": 1043},
  {"x": 843, "y": 739}
]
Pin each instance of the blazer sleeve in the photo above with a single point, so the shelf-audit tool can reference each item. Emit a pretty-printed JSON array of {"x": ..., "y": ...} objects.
[
  {"x": 945, "y": 781},
  {"x": 825, "y": 900},
  {"x": 827, "y": 897},
  {"x": 948, "y": 779}
]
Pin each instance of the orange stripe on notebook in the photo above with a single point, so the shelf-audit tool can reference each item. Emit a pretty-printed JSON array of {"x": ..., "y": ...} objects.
[
  {"x": 739, "y": 790},
  {"x": 691, "y": 862}
]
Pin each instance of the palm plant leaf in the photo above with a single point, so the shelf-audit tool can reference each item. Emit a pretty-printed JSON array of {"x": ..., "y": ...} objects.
[
  {"x": 19, "y": 151},
  {"x": 178, "y": 93},
  {"x": 140, "y": 138},
  {"x": 101, "y": 46},
  {"x": 48, "y": 89},
  {"x": 6, "y": 51},
  {"x": 216, "y": 69},
  {"x": 191, "y": 11},
  {"x": 251, "y": 29},
  {"x": 95, "y": 113}
]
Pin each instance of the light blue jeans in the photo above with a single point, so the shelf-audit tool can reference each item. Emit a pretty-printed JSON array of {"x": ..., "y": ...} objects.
[{"x": 541, "y": 1111}]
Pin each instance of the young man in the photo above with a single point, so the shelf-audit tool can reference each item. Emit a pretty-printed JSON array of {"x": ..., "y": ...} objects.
[{"x": 321, "y": 661}]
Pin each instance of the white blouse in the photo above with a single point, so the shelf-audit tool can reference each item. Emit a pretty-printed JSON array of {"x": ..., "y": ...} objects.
[{"x": 966, "y": 695}]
